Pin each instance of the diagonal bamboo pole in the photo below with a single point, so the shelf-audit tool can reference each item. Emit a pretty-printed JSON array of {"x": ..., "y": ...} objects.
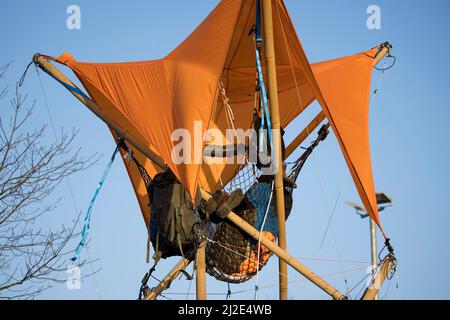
[
  {"x": 281, "y": 253},
  {"x": 275, "y": 119},
  {"x": 385, "y": 49},
  {"x": 305, "y": 134},
  {"x": 156, "y": 291},
  {"x": 48, "y": 67},
  {"x": 387, "y": 265}
]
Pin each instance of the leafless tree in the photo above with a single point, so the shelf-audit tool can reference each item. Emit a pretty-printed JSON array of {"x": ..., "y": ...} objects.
[{"x": 32, "y": 258}]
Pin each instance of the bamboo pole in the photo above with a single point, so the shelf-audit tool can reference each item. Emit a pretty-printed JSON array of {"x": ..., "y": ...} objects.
[
  {"x": 281, "y": 253},
  {"x": 200, "y": 265},
  {"x": 373, "y": 249},
  {"x": 385, "y": 49},
  {"x": 275, "y": 119},
  {"x": 374, "y": 287},
  {"x": 305, "y": 133},
  {"x": 48, "y": 67},
  {"x": 156, "y": 291}
]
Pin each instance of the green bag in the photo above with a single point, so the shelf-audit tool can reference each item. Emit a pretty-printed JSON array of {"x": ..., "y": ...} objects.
[{"x": 177, "y": 222}]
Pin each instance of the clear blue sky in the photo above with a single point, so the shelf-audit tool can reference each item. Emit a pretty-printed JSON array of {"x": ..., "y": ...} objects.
[{"x": 409, "y": 138}]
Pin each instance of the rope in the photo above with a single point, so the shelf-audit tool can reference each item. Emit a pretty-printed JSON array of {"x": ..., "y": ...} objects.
[
  {"x": 144, "y": 282},
  {"x": 228, "y": 292},
  {"x": 301, "y": 104},
  {"x": 229, "y": 111},
  {"x": 299, "y": 281},
  {"x": 69, "y": 87},
  {"x": 259, "y": 240},
  {"x": 397, "y": 286},
  {"x": 387, "y": 291},
  {"x": 361, "y": 281},
  {"x": 190, "y": 283},
  {"x": 165, "y": 297},
  {"x": 332, "y": 213},
  {"x": 130, "y": 156},
  {"x": 22, "y": 78},
  {"x": 327, "y": 212},
  {"x": 87, "y": 219},
  {"x": 265, "y": 115},
  {"x": 333, "y": 260},
  {"x": 69, "y": 185},
  {"x": 342, "y": 272},
  {"x": 377, "y": 88},
  {"x": 394, "y": 60}
]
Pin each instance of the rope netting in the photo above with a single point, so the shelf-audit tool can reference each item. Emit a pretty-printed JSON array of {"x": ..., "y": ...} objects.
[{"x": 232, "y": 255}]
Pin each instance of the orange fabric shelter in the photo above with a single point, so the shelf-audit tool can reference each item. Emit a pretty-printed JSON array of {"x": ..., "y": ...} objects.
[{"x": 149, "y": 100}]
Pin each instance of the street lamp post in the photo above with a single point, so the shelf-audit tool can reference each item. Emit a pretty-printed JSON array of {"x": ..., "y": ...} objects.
[{"x": 383, "y": 202}]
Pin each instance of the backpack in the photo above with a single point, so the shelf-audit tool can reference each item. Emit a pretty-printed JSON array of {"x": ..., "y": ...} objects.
[{"x": 175, "y": 224}]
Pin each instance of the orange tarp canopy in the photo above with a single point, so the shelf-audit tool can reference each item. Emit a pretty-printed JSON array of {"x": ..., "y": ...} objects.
[{"x": 149, "y": 100}]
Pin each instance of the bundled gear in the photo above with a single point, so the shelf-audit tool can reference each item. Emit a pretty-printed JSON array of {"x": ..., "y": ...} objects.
[
  {"x": 175, "y": 227},
  {"x": 221, "y": 204}
]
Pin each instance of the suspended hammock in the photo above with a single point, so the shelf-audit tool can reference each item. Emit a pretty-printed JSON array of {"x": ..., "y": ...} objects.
[{"x": 232, "y": 255}]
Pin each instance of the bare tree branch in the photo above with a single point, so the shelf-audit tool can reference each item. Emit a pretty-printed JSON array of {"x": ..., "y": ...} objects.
[{"x": 32, "y": 260}]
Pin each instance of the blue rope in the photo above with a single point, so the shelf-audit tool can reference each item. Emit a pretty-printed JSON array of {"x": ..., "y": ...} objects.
[
  {"x": 258, "y": 23},
  {"x": 69, "y": 87},
  {"x": 265, "y": 114},
  {"x": 87, "y": 218}
]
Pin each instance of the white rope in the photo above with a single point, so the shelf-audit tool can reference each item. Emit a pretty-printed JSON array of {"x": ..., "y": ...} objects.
[
  {"x": 229, "y": 249},
  {"x": 255, "y": 102},
  {"x": 69, "y": 186},
  {"x": 303, "y": 282},
  {"x": 327, "y": 212},
  {"x": 190, "y": 283},
  {"x": 230, "y": 118},
  {"x": 259, "y": 240},
  {"x": 372, "y": 101},
  {"x": 397, "y": 285},
  {"x": 229, "y": 110},
  {"x": 323, "y": 260},
  {"x": 308, "y": 132}
]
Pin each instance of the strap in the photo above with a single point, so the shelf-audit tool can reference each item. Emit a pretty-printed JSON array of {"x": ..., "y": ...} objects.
[
  {"x": 258, "y": 23},
  {"x": 69, "y": 87},
  {"x": 157, "y": 255},
  {"x": 144, "y": 174},
  {"x": 87, "y": 218},
  {"x": 298, "y": 164},
  {"x": 149, "y": 235},
  {"x": 144, "y": 288},
  {"x": 265, "y": 114}
]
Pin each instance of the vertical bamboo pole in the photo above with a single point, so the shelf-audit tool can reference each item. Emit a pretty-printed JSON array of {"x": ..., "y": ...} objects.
[
  {"x": 275, "y": 118},
  {"x": 373, "y": 248},
  {"x": 200, "y": 266}
]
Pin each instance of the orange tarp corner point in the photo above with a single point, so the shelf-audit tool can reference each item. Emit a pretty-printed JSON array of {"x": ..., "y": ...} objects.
[
  {"x": 149, "y": 100},
  {"x": 345, "y": 87}
]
